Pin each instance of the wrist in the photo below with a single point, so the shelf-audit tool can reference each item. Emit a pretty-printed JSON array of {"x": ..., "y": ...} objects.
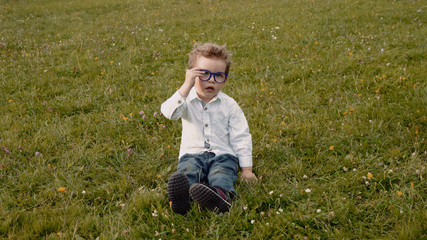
[{"x": 185, "y": 89}]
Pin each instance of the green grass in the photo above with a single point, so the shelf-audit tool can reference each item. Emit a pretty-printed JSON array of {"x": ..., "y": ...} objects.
[{"x": 334, "y": 93}]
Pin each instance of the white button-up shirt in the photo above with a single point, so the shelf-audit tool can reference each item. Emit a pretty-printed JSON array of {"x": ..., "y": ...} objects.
[{"x": 218, "y": 126}]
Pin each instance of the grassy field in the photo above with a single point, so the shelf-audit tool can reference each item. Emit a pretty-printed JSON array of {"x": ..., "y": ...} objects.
[{"x": 334, "y": 93}]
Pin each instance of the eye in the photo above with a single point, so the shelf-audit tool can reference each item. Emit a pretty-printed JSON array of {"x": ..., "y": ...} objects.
[
  {"x": 206, "y": 75},
  {"x": 220, "y": 75}
]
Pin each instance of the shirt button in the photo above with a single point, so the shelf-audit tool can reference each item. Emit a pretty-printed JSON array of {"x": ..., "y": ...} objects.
[
  {"x": 206, "y": 125},
  {"x": 206, "y": 108},
  {"x": 179, "y": 101},
  {"x": 207, "y": 140}
]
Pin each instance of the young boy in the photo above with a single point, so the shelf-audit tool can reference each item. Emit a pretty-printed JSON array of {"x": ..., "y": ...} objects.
[{"x": 215, "y": 134}]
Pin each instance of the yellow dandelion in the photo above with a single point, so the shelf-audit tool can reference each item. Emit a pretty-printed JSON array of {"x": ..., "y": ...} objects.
[
  {"x": 159, "y": 175},
  {"x": 125, "y": 118},
  {"x": 274, "y": 140},
  {"x": 131, "y": 114},
  {"x": 399, "y": 193},
  {"x": 370, "y": 175},
  {"x": 283, "y": 123},
  {"x": 10, "y": 100},
  {"x": 350, "y": 53},
  {"x": 111, "y": 62},
  {"x": 412, "y": 185},
  {"x": 316, "y": 43},
  {"x": 378, "y": 90},
  {"x": 61, "y": 189},
  {"x": 331, "y": 148}
]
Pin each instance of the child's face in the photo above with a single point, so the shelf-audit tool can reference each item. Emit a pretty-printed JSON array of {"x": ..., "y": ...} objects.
[{"x": 207, "y": 90}]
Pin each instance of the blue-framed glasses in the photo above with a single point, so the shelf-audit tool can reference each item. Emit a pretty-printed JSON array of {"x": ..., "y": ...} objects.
[{"x": 219, "y": 77}]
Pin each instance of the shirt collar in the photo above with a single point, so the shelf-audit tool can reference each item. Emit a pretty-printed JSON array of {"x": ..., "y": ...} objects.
[{"x": 193, "y": 95}]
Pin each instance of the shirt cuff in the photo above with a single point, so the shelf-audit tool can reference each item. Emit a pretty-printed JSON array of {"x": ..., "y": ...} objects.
[
  {"x": 245, "y": 161},
  {"x": 172, "y": 108},
  {"x": 177, "y": 98}
]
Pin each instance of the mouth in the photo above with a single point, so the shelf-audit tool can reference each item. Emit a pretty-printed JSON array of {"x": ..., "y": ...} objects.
[{"x": 210, "y": 89}]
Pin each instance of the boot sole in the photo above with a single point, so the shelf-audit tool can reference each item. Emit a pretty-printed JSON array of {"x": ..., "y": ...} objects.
[
  {"x": 208, "y": 198},
  {"x": 178, "y": 191}
]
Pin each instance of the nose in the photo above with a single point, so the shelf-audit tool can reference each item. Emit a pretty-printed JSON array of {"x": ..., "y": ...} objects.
[{"x": 211, "y": 80}]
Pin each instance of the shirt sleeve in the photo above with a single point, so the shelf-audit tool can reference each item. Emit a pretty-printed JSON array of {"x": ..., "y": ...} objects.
[
  {"x": 174, "y": 106},
  {"x": 240, "y": 138}
]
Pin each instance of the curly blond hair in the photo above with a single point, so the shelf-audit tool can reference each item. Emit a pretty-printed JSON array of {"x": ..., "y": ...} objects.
[{"x": 210, "y": 50}]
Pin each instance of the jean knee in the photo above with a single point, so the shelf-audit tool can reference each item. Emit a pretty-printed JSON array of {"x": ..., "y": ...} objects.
[
  {"x": 191, "y": 167},
  {"x": 225, "y": 164}
]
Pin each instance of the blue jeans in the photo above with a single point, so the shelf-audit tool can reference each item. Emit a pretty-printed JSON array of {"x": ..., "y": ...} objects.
[{"x": 217, "y": 171}]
